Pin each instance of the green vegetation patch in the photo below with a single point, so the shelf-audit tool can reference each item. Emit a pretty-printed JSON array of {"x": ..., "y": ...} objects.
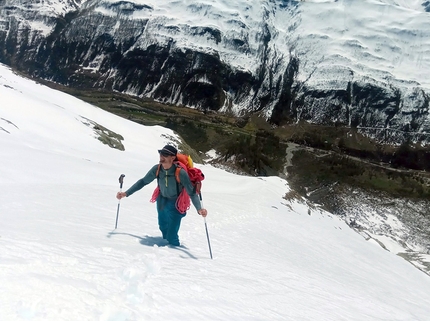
[
  {"x": 314, "y": 171},
  {"x": 105, "y": 135}
]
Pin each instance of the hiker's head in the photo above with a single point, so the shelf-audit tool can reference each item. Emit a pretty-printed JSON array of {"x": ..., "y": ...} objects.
[{"x": 167, "y": 156}]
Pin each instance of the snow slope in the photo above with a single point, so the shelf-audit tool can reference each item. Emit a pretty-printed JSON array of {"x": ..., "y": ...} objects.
[
  {"x": 385, "y": 40},
  {"x": 274, "y": 259}
]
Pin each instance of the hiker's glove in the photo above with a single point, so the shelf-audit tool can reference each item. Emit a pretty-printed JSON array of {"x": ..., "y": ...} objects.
[{"x": 203, "y": 212}]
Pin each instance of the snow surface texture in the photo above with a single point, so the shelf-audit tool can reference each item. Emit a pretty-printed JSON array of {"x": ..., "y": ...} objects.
[{"x": 274, "y": 259}]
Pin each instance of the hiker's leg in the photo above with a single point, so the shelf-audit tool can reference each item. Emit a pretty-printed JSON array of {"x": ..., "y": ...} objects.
[
  {"x": 174, "y": 224},
  {"x": 163, "y": 216},
  {"x": 172, "y": 232}
]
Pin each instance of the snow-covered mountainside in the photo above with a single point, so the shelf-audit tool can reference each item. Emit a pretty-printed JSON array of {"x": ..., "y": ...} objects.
[
  {"x": 274, "y": 258},
  {"x": 355, "y": 63}
]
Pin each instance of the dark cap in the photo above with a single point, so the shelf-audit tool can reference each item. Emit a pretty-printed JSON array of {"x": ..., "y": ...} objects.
[{"x": 168, "y": 150}]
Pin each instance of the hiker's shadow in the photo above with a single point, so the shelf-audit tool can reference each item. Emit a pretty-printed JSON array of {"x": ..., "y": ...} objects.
[
  {"x": 145, "y": 240},
  {"x": 155, "y": 240}
]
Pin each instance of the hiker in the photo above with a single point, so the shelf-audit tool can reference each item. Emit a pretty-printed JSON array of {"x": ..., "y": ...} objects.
[{"x": 169, "y": 217}]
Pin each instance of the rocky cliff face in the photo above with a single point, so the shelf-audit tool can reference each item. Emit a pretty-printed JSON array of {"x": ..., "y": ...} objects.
[{"x": 326, "y": 62}]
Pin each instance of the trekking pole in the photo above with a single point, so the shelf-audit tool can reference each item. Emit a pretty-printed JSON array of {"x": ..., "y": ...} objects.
[
  {"x": 206, "y": 227},
  {"x": 121, "y": 180}
]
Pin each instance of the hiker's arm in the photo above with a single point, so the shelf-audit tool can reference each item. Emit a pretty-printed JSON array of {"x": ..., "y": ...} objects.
[
  {"x": 196, "y": 201},
  {"x": 149, "y": 177},
  {"x": 198, "y": 205}
]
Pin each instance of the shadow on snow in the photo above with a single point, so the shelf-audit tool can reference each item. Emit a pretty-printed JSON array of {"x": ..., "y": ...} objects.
[{"x": 155, "y": 240}]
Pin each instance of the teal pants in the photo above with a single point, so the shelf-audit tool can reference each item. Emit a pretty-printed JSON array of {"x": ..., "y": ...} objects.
[{"x": 169, "y": 219}]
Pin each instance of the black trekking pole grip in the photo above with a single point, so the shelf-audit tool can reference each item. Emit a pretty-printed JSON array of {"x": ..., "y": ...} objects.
[{"x": 121, "y": 180}]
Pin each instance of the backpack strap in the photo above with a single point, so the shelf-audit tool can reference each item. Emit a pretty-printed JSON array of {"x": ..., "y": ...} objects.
[
  {"x": 198, "y": 187},
  {"x": 157, "y": 174},
  {"x": 177, "y": 171},
  {"x": 178, "y": 179}
]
